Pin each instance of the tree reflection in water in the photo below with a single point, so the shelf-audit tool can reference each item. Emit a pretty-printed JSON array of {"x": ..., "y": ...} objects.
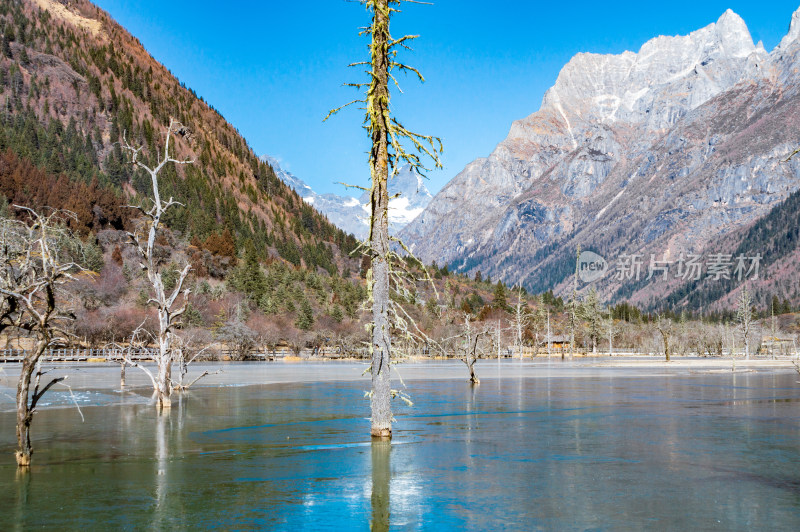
[
  {"x": 381, "y": 476},
  {"x": 162, "y": 455}
]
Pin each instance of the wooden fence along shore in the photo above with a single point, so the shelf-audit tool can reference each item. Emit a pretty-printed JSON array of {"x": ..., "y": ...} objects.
[
  {"x": 82, "y": 354},
  {"x": 69, "y": 354}
]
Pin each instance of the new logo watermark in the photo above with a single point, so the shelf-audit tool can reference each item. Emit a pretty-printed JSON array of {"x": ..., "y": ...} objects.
[
  {"x": 591, "y": 266},
  {"x": 686, "y": 267}
]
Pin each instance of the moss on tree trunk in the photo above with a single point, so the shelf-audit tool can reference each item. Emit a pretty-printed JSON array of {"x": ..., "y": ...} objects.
[{"x": 378, "y": 109}]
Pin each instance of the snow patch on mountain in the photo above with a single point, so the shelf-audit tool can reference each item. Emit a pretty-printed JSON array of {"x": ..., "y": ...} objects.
[{"x": 408, "y": 193}]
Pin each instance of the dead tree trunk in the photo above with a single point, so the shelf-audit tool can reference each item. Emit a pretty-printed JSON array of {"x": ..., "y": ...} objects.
[
  {"x": 31, "y": 274},
  {"x": 183, "y": 360},
  {"x": 387, "y": 151},
  {"x": 381, "y": 477},
  {"x": 573, "y": 307},
  {"x": 744, "y": 315},
  {"x": 467, "y": 346},
  {"x": 473, "y": 378},
  {"x": 26, "y": 403},
  {"x": 378, "y": 109},
  {"x": 168, "y": 316},
  {"x": 664, "y": 328},
  {"x": 24, "y": 414}
]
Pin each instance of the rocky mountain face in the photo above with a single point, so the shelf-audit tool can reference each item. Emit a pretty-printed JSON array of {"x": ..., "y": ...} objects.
[
  {"x": 352, "y": 214},
  {"x": 656, "y": 152}
]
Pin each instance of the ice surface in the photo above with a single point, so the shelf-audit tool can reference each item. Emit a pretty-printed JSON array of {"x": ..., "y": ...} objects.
[{"x": 534, "y": 446}]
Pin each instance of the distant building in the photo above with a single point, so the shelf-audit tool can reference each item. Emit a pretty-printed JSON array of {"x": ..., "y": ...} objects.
[
  {"x": 778, "y": 345},
  {"x": 559, "y": 341}
]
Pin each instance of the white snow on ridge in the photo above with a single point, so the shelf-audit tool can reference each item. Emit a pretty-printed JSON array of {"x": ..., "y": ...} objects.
[
  {"x": 352, "y": 214},
  {"x": 400, "y": 211}
]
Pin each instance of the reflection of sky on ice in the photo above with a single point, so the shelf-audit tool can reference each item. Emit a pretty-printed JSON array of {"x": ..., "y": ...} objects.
[{"x": 533, "y": 446}]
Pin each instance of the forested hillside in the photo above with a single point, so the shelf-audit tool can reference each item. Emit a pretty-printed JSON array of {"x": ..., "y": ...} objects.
[
  {"x": 73, "y": 82},
  {"x": 74, "y": 87}
]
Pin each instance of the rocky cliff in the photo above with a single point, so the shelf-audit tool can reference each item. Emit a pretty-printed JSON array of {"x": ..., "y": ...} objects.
[{"x": 655, "y": 152}]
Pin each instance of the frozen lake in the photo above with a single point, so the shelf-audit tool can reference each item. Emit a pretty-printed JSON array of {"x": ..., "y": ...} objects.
[{"x": 534, "y": 446}]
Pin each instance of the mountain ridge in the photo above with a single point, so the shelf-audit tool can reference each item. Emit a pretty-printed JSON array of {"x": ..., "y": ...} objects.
[{"x": 565, "y": 174}]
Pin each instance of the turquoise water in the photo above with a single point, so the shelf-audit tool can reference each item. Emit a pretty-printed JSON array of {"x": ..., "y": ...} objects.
[{"x": 584, "y": 449}]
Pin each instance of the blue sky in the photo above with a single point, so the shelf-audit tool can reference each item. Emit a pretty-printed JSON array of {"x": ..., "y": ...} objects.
[{"x": 275, "y": 68}]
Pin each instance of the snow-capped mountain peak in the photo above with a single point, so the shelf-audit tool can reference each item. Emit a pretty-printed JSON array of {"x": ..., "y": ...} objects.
[{"x": 409, "y": 197}]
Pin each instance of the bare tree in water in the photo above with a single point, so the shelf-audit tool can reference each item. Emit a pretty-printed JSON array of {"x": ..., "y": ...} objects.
[
  {"x": 186, "y": 352},
  {"x": 386, "y": 156},
  {"x": 36, "y": 260},
  {"x": 522, "y": 318},
  {"x": 665, "y": 329},
  {"x": 573, "y": 305},
  {"x": 745, "y": 317},
  {"x": 469, "y": 344},
  {"x": 165, "y": 301}
]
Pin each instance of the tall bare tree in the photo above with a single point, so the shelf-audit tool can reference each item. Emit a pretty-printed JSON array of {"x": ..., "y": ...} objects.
[
  {"x": 745, "y": 317},
  {"x": 611, "y": 330},
  {"x": 35, "y": 266},
  {"x": 386, "y": 156},
  {"x": 573, "y": 304},
  {"x": 521, "y": 320},
  {"x": 538, "y": 323},
  {"x": 665, "y": 329},
  {"x": 773, "y": 329},
  {"x": 164, "y": 300},
  {"x": 186, "y": 352},
  {"x": 468, "y": 344}
]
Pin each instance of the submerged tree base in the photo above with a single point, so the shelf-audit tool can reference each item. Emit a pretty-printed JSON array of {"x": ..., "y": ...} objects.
[
  {"x": 23, "y": 459},
  {"x": 381, "y": 433}
]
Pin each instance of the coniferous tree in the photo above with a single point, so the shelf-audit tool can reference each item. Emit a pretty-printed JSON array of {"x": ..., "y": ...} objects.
[
  {"x": 248, "y": 277},
  {"x": 500, "y": 299},
  {"x": 337, "y": 314},
  {"x": 6, "y": 48},
  {"x": 305, "y": 317}
]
